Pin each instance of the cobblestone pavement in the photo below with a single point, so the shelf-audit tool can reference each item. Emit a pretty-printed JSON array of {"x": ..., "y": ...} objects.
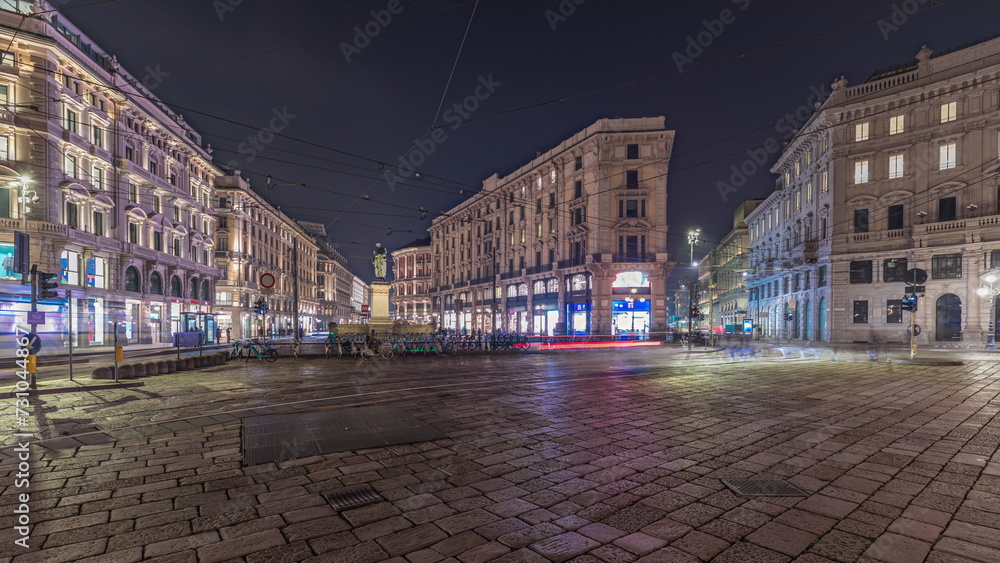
[{"x": 583, "y": 456}]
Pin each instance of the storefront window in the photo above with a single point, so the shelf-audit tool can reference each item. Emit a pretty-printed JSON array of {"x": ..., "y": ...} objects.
[
  {"x": 95, "y": 321},
  {"x": 70, "y": 267},
  {"x": 96, "y": 273},
  {"x": 7, "y": 262}
]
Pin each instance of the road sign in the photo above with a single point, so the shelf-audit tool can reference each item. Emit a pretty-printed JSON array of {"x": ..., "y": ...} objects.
[
  {"x": 916, "y": 289},
  {"x": 36, "y": 317},
  {"x": 267, "y": 280},
  {"x": 915, "y": 330},
  {"x": 34, "y": 343},
  {"x": 915, "y": 276}
]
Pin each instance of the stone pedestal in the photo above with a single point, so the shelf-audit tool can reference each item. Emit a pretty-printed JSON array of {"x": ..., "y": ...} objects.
[{"x": 380, "y": 321}]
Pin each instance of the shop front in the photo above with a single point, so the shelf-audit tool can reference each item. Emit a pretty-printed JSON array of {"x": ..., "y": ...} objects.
[
  {"x": 578, "y": 318},
  {"x": 630, "y": 317},
  {"x": 545, "y": 317}
]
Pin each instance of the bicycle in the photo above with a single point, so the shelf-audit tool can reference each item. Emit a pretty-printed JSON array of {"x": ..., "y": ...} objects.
[
  {"x": 262, "y": 351},
  {"x": 239, "y": 349},
  {"x": 332, "y": 346}
]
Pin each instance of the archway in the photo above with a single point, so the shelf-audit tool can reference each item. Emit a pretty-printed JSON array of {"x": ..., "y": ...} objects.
[{"x": 948, "y": 314}]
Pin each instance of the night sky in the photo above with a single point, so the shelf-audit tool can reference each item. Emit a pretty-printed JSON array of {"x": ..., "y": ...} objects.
[{"x": 258, "y": 64}]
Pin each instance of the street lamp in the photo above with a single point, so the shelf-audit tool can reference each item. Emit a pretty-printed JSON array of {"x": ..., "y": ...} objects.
[
  {"x": 991, "y": 290},
  {"x": 694, "y": 237},
  {"x": 28, "y": 197}
]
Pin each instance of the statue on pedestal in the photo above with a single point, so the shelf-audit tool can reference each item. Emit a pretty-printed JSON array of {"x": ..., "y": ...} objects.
[{"x": 379, "y": 256}]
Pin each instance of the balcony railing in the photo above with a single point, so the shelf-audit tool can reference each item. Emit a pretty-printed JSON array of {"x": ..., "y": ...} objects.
[{"x": 578, "y": 261}]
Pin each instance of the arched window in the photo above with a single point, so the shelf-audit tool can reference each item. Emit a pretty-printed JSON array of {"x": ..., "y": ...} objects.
[
  {"x": 538, "y": 287},
  {"x": 132, "y": 281},
  {"x": 155, "y": 283},
  {"x": 553, "y": 285},
  {"x": 193, "y": 288},
  {"x": 175, "y": 287}
]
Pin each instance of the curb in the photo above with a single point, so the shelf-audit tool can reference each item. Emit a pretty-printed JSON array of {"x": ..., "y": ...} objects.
[{"x": 80, "y": 388}]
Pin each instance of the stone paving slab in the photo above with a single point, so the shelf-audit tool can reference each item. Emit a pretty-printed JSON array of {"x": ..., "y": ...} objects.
[{"x": 610, "y": 457}]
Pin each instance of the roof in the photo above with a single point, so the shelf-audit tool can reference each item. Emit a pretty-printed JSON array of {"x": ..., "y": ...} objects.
[{"x": 426, "y": 241}]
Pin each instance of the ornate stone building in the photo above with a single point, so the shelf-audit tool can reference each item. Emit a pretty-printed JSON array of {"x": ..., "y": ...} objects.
[
  {"x": 255, "y": 239},
  {"x": 572, "y": 242},
  {"x": 411, "y": 272},
  {"x": 115, "y": 187},
  {"x": 896, "y": 173},
  {"x": 723, "y": 275}
]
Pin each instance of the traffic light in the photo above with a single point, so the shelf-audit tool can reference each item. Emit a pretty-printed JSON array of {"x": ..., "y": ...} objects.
[
  {"x": 47, "y": 286},
  {"x": 261, "y": 305},
  {"x": 695, "y": 312},
  {"x": 910, "y": 302}
]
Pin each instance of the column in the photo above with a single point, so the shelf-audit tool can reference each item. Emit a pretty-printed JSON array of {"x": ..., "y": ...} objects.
[{"x": 973, "y": 331}]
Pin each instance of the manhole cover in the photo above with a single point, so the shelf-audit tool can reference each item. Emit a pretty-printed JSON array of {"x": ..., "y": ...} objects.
[
  {"x": 764, "y": 488},
  {"x": 282, "y": 437},
  {"x": 353, "y": 497}
]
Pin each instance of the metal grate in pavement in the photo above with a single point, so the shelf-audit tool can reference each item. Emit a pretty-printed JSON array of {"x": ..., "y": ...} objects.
[
  {"x": 764, "y": 488},
  {"x": 282, "y": 437},
  {"x": 353, "y": 497}
]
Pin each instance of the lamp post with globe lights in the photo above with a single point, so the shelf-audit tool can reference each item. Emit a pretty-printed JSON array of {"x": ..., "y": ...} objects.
[{"x": 990, "y": 291}]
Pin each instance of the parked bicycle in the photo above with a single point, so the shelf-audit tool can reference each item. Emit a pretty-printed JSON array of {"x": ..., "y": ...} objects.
[{"x": 262, "y": 350}]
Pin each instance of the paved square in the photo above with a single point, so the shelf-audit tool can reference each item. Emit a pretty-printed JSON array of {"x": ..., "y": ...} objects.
[{"x": 608, "y": 456}]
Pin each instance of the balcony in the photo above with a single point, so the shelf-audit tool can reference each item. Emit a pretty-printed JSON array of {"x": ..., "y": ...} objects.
[
  {"x": 572, "y": 262},
  {"x": 538, "y": 269},
  {"x": 6, "y": 117}
]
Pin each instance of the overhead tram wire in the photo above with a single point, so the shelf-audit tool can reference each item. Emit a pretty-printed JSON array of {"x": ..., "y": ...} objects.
[
  {"x": 382, "y": 163},
  {"x": 444, "y": 94},
  {"x": 658, "y": 76}
]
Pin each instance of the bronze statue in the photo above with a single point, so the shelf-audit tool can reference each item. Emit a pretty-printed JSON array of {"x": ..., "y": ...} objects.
[{"x": 379, "y": 256}]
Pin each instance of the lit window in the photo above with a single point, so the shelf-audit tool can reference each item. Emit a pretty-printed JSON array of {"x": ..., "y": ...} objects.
[
  {"x": 861, "y": 132},
  {"x": 96, "y": 273},
  {"x": 948, "y": 155},
  {"x": 70, "y": 167},
  {"x": 897, "y": 124},
  {"x": 70, "y": 262},
  {"x": 809, "y": 191},
  {"x": 949, "y": 112},
  {"x": 552, "y": 177},
  {"x": 824, "y": 181},
  {"x": 896, "y": 163},
  {"x": 861, "y": 172},
  {"x": 798, "y": 200}
]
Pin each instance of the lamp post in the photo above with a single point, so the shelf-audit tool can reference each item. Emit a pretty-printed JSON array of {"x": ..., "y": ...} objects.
[
  {"x": 28, "y": 196},
  {"x": 991, "y": 290},
  {"x": 694, "y": 237}
]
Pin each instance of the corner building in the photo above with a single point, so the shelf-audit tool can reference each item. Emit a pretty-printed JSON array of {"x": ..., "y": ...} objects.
[
  {"x": 117, "y": 186},
  {"x": 573, "y": 242},
  {"x": 895, "y": 173}
]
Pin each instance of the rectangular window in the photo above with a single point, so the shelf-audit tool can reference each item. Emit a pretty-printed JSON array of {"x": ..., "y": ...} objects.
[
  {"x": 995, "y": 259},
  {"x": 4, "y": 96},
  {"x": 96, "y": 276},
  {"x": 133, "y": 193},
  {"x": 632, "y": 151},
  {"x": 72, "y": 215},
  {"x": 552, "y": 201},
  {"x": 5, "y": 148},
  {"x": 895, "y": 166},
  {"x": 578, "y": 163},
  {"x": 177, "y": 213},
  {"x": 860, "y": 220},
  {"x": 632, "y": 179},
  {"x": 897, "y": 124},
  {"x": 824, "y": 181},
  {"x": 861, "y": 172},
  {"x": 98, "y": 178},
  {"x": 223, "y": 244},
  {"x": 861, "y": 132},
  {"x": 861, "y": 312},
  {"x": 538, "y": 206},
  {"x": 72, "y": 121},
  {"x": 577, "y": 189},
  {"x": 158, "y": 241},
  {"x": 809, "y": 192},
  {"x": 152, "y": 167},
  {"x": 821, "y": 277},
  {"x": 947, "y": 209},
  {"x": 538, "y": 229},
  {"x": 946, "y": 266},
  {"x": 895, "y": 217},
  {"x": 129, "y": 154},
  {"x": 798, "y": 200},
  {"x": 133, "y": 233},
  {"x": 70, "y": 262},
  {"x": 861, "y": 271},
  {"x": 98, "y": 223},
  {"x": 893, "y": 269},
  {"x": 949, "y": 154},
  {"x": 71, "y": 168},
  {"x": 949, "y": 112},
  {"x": 894, "y": 311},
  {"x": 632, "y": 208},
  {"x": 552, "y": 224},
  {"x": 157, "y": 204},
  {"x": 177, "y": 247}
]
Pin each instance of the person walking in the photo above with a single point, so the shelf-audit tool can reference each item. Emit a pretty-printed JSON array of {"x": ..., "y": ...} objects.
[{"x": 229, "y": 334}]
